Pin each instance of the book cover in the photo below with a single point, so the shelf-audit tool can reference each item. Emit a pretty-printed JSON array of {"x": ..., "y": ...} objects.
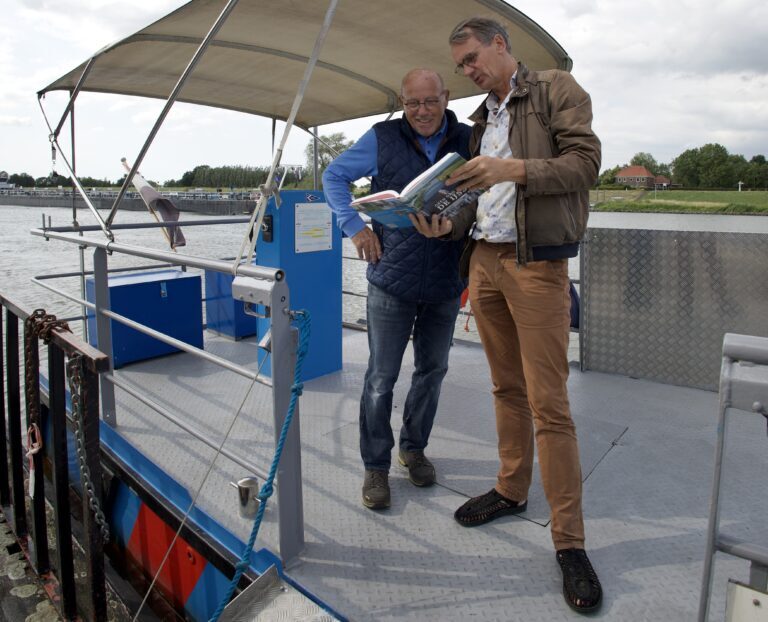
[{"x": 427, "y": 193}]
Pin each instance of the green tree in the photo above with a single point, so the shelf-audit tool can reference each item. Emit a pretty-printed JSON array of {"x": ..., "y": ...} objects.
[
  {"x": 664, "y": 169},
  {"x": 22, "y": 179},
  {"x": 327, "y": 149},
  {"x": 645, "y": 159},
  {"x": 716, "y": 168},
  {"x": 608, "y": 176},
  {"x": 686, "y": 168}
]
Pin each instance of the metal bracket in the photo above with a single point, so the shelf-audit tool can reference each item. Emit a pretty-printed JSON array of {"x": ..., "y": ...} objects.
[{"x": 253, "y": 292}]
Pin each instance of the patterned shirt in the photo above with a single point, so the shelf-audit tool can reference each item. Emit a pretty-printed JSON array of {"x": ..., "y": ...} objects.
[{"x": 496, "y": 208}]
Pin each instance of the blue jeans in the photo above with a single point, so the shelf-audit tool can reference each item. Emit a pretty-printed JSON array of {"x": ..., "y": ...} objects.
[{"x": 390, "y": 321}]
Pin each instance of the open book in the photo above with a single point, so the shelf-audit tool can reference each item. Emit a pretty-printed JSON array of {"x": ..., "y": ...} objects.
[{"x": 427, "y": 193}]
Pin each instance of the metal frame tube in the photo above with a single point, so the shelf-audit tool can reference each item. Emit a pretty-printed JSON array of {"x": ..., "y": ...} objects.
[
  {"x": 160, "y": 410},
  {"x": 714, "y": 508},
  {"x": 78, "y": 185},
  {"x": 259, "y": 272},
  {"x": 5, "y": 491},
  {"x": 261, "y": 208},
  {"x": 169, "y": 103},
  {"x": 104, "y": 330},
  {"x": 72, "y": 96},
  {"x": 290, "y": 497},
  {"x": 181, "y": 345},
  {"x": 150, "y": 225}
]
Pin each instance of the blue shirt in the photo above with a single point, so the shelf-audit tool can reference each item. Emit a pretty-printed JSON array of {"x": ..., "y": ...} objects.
[{"x": 361, "y": 160}]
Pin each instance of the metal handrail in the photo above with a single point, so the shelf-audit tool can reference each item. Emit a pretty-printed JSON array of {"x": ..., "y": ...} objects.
[
  {"x": 242, "y": 269},
  {"x": 160, "y": 410},
  {"x": 171, "y": 341}
]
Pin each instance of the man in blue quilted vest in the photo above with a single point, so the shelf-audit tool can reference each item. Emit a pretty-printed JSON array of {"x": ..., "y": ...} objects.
[{"x": 413, "y": 281}]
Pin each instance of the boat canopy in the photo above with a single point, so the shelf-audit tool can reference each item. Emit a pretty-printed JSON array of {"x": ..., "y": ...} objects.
[{"x": 261, "y": 52}]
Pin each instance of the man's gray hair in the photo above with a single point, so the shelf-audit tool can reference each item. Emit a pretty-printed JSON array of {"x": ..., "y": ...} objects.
[{"x": 482, "y": 28}]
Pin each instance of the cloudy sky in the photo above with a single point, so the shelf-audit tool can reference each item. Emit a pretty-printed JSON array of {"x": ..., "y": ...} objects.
[{"x": 664, "y": 77}]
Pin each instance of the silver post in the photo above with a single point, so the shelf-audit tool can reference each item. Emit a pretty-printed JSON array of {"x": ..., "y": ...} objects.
[
  {"x": 289, "y": 495},
  {"x": 315, "y": 160},
  {"x": 714, "y": 510},
  {"x": 104, "y": 331}
]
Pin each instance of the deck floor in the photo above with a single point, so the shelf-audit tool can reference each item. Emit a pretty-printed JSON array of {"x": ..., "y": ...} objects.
[{"x": 647, "y": 453}]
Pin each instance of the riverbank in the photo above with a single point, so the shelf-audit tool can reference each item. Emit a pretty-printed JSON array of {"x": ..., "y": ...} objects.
[{"x": 219, "y": 207}]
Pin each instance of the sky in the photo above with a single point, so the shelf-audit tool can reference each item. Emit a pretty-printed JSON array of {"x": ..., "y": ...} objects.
[{"x": 664, "y": 77}]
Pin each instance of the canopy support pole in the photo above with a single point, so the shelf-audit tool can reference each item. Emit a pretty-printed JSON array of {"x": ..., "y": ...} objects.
[
  {"x": 315, "y": 167},
  {"x": 53, "y": 136},
  {"x": 254, "y": 225},
  {"x": 169, "y": 103}
]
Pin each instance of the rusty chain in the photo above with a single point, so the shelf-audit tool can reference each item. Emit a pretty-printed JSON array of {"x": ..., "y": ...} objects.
[
  {"x": 40, "y": 325},
  {"x": 31, "y": 330},
  {"x": 77, "y": 391}
]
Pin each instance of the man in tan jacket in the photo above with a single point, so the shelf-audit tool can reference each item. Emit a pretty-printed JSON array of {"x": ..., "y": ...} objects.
[{"x": 536, "y": 153}]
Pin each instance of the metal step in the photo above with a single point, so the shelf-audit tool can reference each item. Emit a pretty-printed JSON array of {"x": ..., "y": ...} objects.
[{"x": 270, "y": 598}]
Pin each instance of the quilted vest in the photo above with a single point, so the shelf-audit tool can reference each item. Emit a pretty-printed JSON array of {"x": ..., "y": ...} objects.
[{"x": 412, "y": 267}]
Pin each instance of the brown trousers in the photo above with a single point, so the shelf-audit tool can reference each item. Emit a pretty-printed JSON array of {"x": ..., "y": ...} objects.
[{"x": 523, "y": 316}]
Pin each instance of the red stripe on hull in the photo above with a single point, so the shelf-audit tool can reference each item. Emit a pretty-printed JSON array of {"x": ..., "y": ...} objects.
[{"x": 149, "y": 541}]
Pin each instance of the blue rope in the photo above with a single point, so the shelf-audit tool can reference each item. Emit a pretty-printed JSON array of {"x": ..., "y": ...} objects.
[{"x": 303, "y": 322}]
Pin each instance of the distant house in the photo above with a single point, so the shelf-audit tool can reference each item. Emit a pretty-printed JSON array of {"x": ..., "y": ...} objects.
[
  {"x": 4, "y": 184},
  {"x": 636, "y": 177},
  {"x": 662, "y": 183}
]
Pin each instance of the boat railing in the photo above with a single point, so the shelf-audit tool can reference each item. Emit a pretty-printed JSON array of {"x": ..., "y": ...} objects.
[
  {"x": 743, "y": 387},
  {"x": 48, "y": 408},
  {"x": 270, "y": 291}
]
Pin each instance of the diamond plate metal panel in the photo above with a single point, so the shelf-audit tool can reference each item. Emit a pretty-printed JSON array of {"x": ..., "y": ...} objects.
[{"x": 656, "y": 304}]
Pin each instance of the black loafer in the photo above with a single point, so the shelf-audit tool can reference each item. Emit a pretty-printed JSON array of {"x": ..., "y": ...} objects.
[
  {"x": 487, "y": 507},
  {"x": 581, "y": 587}
]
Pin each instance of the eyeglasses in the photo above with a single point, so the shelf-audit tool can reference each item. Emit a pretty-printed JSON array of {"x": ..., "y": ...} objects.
[
  {"x": 414, "y": 104},
  {"x": 469, "y": 59}
]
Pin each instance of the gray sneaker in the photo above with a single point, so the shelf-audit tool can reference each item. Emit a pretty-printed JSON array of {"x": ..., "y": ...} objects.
[
  {"x": 376, "y": 490},
  {"x": 421, "y": 471}
]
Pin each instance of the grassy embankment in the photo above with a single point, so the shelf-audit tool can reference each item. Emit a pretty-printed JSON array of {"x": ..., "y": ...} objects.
[{"x": 680, "y": 201}]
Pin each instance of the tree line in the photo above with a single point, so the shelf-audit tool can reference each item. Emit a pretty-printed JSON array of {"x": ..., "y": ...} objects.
[{"x": 710, "y": 166}]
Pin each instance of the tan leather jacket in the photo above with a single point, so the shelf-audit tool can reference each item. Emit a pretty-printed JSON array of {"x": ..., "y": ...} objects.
[{"x": 551, "y": 129}]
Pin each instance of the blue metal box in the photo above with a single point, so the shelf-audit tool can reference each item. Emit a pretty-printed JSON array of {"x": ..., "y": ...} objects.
[
  {"x": 304, "y": 240},
  {"x": 223, "y": 314},
  {"x": 168, "y": 301}
]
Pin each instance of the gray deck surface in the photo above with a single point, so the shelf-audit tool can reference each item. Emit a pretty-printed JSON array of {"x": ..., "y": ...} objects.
[{"x": 647, "y": 453}]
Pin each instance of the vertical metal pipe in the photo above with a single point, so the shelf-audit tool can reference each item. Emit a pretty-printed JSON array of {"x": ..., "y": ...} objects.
[
  {"x": 104, "y": 330},
  {"x": 315, "y": 161},
  {"x": 289, "y": 494},
  {"x": 75, "y": 224},
  {"x": 169, "y": 103},
  {"x": 73, "y": 156},
  {"x": 60, "y": 459},
  {"x": 5, "y": 491},
  {"x": 94, "y": 544},
  {"x": 714, "y": 508},
  {"x": 261, "y": 208},
  {"x": 39, "y": 531},
  {"x": 14, "y": 424}
]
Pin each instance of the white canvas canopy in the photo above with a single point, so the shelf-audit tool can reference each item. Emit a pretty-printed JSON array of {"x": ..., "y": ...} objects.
[{"x": 260, "y": 54}]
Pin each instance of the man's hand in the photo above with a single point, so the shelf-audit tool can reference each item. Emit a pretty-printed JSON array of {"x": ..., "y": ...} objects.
[
  {"x": 485, "y": 171},
  {"x": 367, "y": 244},
  {"x": 437, "y": 227}
]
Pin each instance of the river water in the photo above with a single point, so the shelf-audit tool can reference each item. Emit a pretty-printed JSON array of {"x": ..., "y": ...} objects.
[{"x": 23, "y": 256}]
